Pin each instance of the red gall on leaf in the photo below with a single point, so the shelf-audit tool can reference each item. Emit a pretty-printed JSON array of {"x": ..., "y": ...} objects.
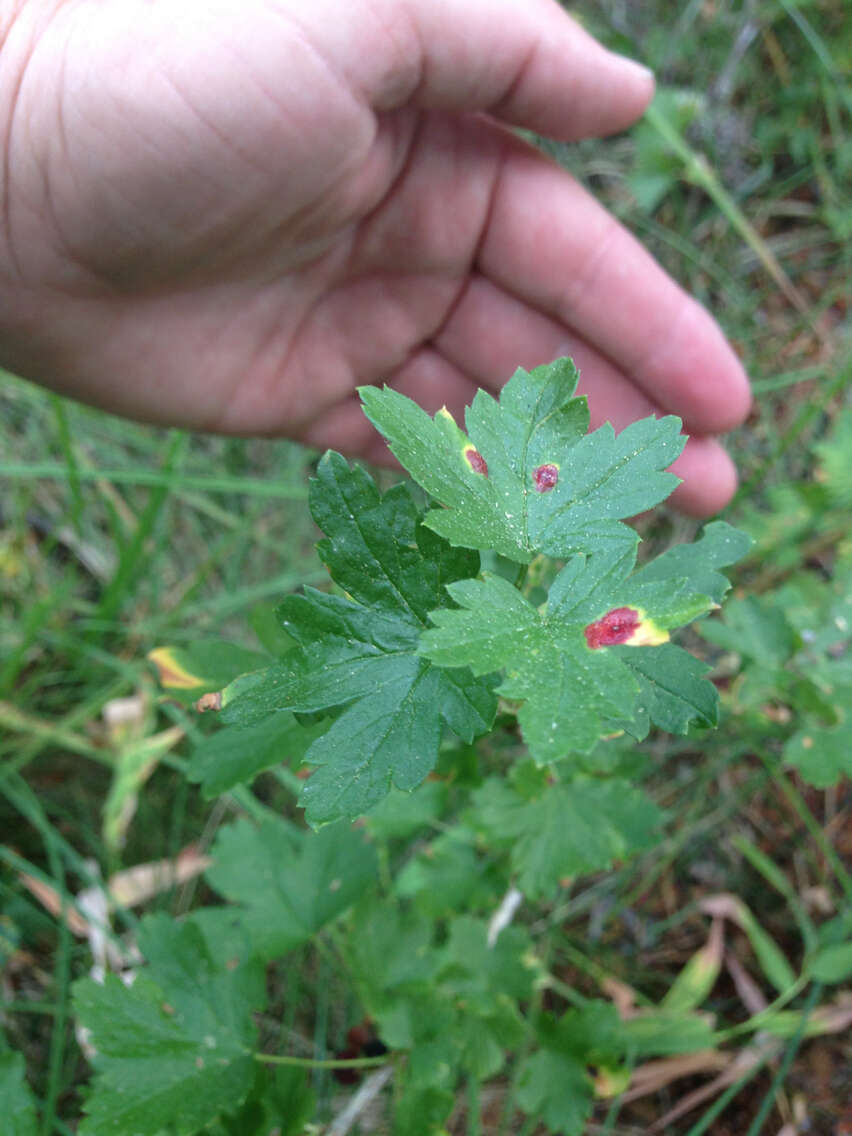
[
  {"x": 624, "y": 625},
  {"x": 476, "y": 461},
  {"x": 545, "y": 477}
]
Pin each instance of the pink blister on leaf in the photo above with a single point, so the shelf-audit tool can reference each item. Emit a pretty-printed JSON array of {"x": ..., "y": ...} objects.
[
  {"x": 476, "y": 461},
  {"x": 617, "y": 626},
  {"x": 545, "y": 477},
  {"x": 624, "y": 625}
]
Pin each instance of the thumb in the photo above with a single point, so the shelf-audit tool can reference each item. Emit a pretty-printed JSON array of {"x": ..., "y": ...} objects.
[{"x": 526, "y": 62}]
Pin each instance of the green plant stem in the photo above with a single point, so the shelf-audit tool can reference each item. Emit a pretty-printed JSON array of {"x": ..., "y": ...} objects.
[
  {"x": 249, "y": 487},
  {"x": 323, "y": 1063},
  {"x": 799, "y": 806},
  {"x": 757, "y": 1021},
  {"x": 817, "y": 46},
  {"x": 48, "y": 732},
  {"x": 808, "y": 411},
  {"x": 697, "y": 170},
  {"x": 474, "y": 1108},
  {"x": 29, "y": 1008},
  {"x": 132, "y": 560},
  {"x": 509, "y": 1106},
  {"x": 594, "y": 970},
  {"x": 788, "y": 379},
  {"x": 572, "y": 997},
  {"x": 62, "y": 964},
  {"x": 776, "y": 878},
  {"x": 787, "y": 1060},
  {"x": 724, "y": 1100},
  {"x": 72, "y": 466},
  {"x": 530, "y": 1126},
  {"x": 815, "y": 546}
]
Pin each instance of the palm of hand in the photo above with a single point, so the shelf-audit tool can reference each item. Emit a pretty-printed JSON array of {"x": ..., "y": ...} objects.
[{"x": 271, "y": 250}]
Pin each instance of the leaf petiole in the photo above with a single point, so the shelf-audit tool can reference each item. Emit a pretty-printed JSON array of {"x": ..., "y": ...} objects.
[
  {"x": 323, "y": 1063},
  {"x": 521, "y": 577}
]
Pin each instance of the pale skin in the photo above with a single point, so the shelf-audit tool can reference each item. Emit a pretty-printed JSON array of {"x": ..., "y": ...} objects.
[{"x": 228, "y": 214}]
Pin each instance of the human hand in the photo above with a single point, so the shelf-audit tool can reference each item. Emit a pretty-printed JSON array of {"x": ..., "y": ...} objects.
[{"x": 227, "y": 214}]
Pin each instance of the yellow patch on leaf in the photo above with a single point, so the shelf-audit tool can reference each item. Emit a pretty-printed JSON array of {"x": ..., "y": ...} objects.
[{"x": 171, "y": 672}]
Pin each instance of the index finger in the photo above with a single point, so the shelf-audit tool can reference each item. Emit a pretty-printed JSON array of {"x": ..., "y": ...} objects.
[
  {"x": 551, "y": 244},
  {"x": 526, "y": 62}
]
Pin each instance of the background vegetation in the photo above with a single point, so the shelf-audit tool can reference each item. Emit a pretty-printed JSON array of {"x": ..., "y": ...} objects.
[{"x": 115, "y": 539}]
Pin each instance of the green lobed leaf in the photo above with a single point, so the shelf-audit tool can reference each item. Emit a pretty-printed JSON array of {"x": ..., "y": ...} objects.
[
  {"x": 477, "y": 971},
  {"x": 448, "y": 874},
  {"x": 391, "y": 736},
  {"x": 280, "y": 1102},
  {"x": 822, "y": 755},
  {"x": 484, "y": 983},
  {"x": 555, "y": 1088},
  {"x": 401, "y": 815},
  {"x": 836, "y": 459},
  {"x": 17, "y": 1105},
  {"x": 832, "y": 964},
  {"x": 663, "y": 1033},
  {"x": 421, "y": 1111},
  {"x": 391, "y": 980},
  {"x": 289, "y": 883},
  {"x": 673, "y": 687},
  {"x": 237, "y": 754},
  {"x": 754, "y": 627},
  {"x": 719, "y": 546},
  {"x": 573, "y": 692},
  {"x": 174, "y": 1050},
  {"x": 360, "y": 652},
  {"x": 554, "y": 1082},
  {"x": 600, "y": 477},
  {"x": 454, "y": 1006},
  {"x": 567, "y": 829}
]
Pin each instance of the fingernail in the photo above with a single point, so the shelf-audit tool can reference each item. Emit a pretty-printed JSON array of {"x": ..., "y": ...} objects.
[{"x": 635, "y": 66}]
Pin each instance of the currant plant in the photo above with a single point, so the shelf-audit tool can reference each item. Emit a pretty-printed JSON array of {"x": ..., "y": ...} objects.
[
  {"x": 473, "y": 685},
  {"x": 422, "y": 635}
]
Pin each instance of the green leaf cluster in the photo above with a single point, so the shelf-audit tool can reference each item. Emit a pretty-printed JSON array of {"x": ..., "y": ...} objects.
[
  {"x": 389, "y": 676},
  {"x": 17, "y": 1106},
  {"x": 555, "y": 832},
  {"x": 419, "y": 638},
  {"x": 357, "y": 654},
  {"x": 451, "y": 1005},
  {"x": 556, "y": 1082},
  {"x": 601, "y": 478},
  {"x": 175, "y": 1051},
  {"x": 793, "y": 651}
]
